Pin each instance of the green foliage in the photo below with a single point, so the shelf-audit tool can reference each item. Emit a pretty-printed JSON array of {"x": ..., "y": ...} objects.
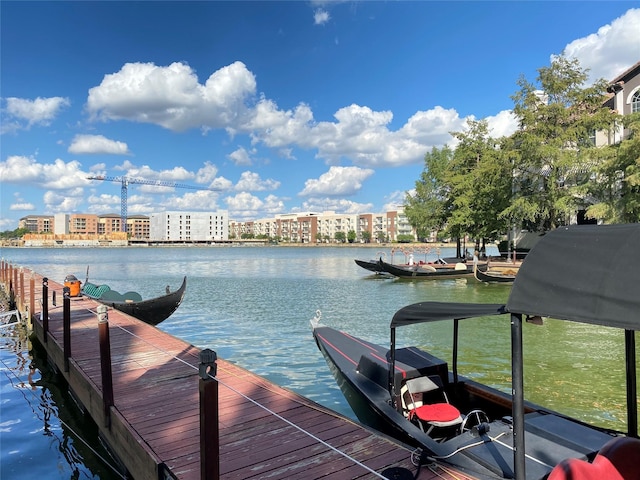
[
  {"x": 405, "y": 238},
  {"x": 351, "y": 236},
  {"x": 540, "y": 176},
  {"x": 14, "y": 234},
  {"x": 366, "y": 236},
  {"x": 340, "y": 237}
]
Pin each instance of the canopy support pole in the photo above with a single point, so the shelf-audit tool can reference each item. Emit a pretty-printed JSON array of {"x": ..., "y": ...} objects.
[
  {"x": 392, "y": 368},
  {"x": 632, "y": 396},
  {"x": 454, "y": 360},
  {"x": 517, "y": 391}
]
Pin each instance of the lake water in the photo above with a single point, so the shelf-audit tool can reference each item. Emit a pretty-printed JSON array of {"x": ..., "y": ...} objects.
[{"x": 252, "y": 305}]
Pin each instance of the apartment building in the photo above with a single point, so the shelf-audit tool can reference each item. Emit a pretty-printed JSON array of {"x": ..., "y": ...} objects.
[
  {"x": 37, "y": 223},
  {"x": 311, "y": 227},
  {"x": 174, "y": 226}
]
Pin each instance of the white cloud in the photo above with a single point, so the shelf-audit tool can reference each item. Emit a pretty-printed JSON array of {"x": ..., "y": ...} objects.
[
  {"x": 241, "y": 157},
  {"x": 503, "y": 124},
  {"x": 172, "y": 96},
  {"x": 97, "y": 144},
  {"x": 611, "y": 50},
  {"x": 251, "y": 181},
  {"x": 57, "y": 175},
  {"x": 64, "y": 202},
  {"x": 338, "y": 181},
  {"x": 321, "y": 16},
  {"x": 40, "y": 111},
  {"x": 22, "y": 207},
  {"x": 320, "y": 204}
]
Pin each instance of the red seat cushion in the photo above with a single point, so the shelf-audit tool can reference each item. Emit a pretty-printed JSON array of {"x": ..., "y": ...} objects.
[
  {"x": 574, "y": 469},
  {"x": 617, "y": 460},
  {"x": 437, "y": 412}
]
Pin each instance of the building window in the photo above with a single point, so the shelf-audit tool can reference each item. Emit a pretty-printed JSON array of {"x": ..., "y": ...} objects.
[{"x": 635, "y": 102}]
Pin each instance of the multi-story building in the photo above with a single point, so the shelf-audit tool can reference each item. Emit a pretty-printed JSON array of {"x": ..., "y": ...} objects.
[
  {"x": 625, "y": 100},
  {"x": 37, "y": 223},
  {"x": 138, "y": 227},
  {"x": 310, "y": 227},
  {"x": 189, "y": 226}
]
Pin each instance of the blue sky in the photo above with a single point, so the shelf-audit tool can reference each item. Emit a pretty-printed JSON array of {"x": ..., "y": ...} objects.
[{"x": 268, "y": 107}]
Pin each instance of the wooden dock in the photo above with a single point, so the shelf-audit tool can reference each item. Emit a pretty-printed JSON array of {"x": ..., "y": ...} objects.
[{"x": 153, "y": 427}]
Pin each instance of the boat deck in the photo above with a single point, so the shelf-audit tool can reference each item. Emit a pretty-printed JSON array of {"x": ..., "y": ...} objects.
[{"x": 265, "y": 431}]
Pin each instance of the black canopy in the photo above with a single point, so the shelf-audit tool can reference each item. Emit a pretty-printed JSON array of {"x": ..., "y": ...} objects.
[
  {"x": 585, "y": 273},
  {"x": 438, "y": 311}
]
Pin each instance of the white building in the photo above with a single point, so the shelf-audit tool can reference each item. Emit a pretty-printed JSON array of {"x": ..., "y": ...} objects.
[{"x": 189, "y": 226}]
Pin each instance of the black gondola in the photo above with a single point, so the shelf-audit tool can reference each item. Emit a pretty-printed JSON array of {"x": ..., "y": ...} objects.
[
  {"x": 428, "y": 270},
  {"x": 151, "y": 311},
  {"x": 567, "y": 276},
  {"x": 490, "y": 276},
  {"x": 371, "y": 265}
]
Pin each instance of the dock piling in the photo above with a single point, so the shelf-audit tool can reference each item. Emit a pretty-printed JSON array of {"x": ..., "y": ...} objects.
[
  {"x": 45, "y": 309},
  {"x": 209, "y": 422},
  {"x": 105, "y": 363},
  {"x": 66, "y": 326}
]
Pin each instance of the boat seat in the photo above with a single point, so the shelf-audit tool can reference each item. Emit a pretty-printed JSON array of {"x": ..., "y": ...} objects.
[
  {"x": 616, "y": 460},
  {"x": 432, "y": 415}
]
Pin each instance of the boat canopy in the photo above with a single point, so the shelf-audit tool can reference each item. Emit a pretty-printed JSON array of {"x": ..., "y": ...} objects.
[
  {"x": 583, "y": 273},
  {"x": 437, "y": 311}
]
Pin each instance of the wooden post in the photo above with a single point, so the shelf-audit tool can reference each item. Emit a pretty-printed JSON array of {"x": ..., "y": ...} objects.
[
  {"x": 209, "y": 425},
  {"x": 32, "y": 298},
  {"x": 105, "y": 364},
  {"x": 66, "y": 326},
  {"x": 45, "y": 308},
  {"x": 21, "y": 289}
]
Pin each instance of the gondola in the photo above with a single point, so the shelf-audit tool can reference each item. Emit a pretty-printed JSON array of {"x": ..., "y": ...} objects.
[
  {"x": 429, "y": 270},
  {"x": 495, "y": 276},
  {"x": 480, "y": 430},
  {"x": 151, "y": 311},
  {"x": 371, "y": 265}
]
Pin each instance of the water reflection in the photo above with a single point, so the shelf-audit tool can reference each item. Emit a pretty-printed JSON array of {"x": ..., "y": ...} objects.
[{"x": 43, "y": 431}]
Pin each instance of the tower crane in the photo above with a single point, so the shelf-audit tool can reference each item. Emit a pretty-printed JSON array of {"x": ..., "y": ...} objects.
[{"x": 125, "y": 181}]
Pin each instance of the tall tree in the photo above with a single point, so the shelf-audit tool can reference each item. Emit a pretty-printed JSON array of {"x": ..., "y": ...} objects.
[
  {"x": 480, "y": 178},
  {"x": 554, "y": 152},
  {"x": 428, "y": 208}
]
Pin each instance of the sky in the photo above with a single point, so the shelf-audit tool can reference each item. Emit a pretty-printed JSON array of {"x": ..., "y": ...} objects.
[{"x": 265, "y": 108}]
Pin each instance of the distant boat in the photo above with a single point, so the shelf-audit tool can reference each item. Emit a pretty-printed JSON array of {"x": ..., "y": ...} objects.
[
  {"x": 418, "y": 398},
  {"x": 502, "y": 275},
  {"x": 429, "y": 270},
  {"x": 151, "y": 311},
  {"x": 371, "y": 265}
]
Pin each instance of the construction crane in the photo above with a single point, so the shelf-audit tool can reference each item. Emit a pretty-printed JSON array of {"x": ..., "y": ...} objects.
[{"x": 125, "y": 181}]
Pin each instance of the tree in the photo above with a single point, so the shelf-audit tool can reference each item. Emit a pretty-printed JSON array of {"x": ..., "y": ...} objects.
[
  {"x": 366, "y": 236},
  {"x": 340, "y": 237},
  {"x": 552, "y": 152},
  {"x": 351, "y": 236},
  {"x": 427, "y": 209},
  {"x": 480, "y": 179},
  {"x": 616, "y": 183}
]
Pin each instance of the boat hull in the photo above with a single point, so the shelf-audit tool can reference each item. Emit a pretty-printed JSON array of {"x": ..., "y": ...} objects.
[
  {"x": 429, "y": 271},
  {"x": 152, "y": 311},
  {"x": 364, "y": 385}
]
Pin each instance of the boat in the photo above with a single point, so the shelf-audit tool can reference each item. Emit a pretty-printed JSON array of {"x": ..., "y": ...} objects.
[
  {"x": 370, "y": 265},
  {"x": 492, "y": 275},
  {"x": 151, "y": 311},
  {"x": 429, "y": 270},
  {"x": 474, "y": 427}
]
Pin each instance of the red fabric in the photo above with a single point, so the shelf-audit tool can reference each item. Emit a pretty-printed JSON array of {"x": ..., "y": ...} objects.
[
  {"x": 437, "y": 412},
  {"x": 619, "y": 459},
  {"x": 574, "y": 469}
]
